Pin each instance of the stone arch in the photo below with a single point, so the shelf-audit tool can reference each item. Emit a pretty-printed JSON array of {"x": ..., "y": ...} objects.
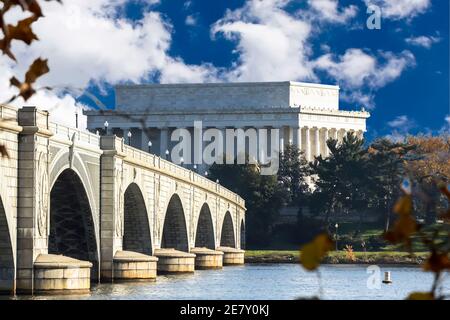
[
  {"x": 61, "y": 163},
  {"x": 227, "y": 237},
  {"x": 72, "y": 231},
  {"x": 174, "y": 234},
  {"x": 6, "y": 254},
  {"x": 136, "y": 235},
  {"x": 242, "y": 234},
  {"x": 204, "y": 236}
]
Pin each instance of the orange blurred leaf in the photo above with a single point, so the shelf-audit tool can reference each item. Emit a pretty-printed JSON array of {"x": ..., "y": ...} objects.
[
  {"x": 404, "y": 205},
  {"x": 22, "y": 31},
  {"x": 312, "y": 253},
  {"x": 437, "y": 262},
  {"x": 37, "y": 69},
  {"x": 421, "y": 296}
]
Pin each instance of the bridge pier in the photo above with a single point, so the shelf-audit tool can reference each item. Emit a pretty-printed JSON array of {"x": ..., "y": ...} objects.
[
  {"x": 232, "y": 256},
  {"x": 132, "y": 266},
  {"x": 174, "y": 261},
  {"x": 207, "y": 258},
  {"x": 58, "y": 274}
]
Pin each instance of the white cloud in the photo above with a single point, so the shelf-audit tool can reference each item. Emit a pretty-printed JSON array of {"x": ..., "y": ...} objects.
[
  {"x": 401, "y": 9},
  {"x": 271, "y": 43},
  {"x": 401, "y": 122},
  {"x": 191, "y": 20},
  {"x": 401, "y": 127},
  {"x": 357, "y": 70},
  {"x": 423, "y": 41},
  {"x": 328, "y": 10},
  {"x": 88, "y": 41}
]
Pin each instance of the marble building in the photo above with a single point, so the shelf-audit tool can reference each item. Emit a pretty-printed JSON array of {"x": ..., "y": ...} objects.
[{"x": 306, "y": 114}]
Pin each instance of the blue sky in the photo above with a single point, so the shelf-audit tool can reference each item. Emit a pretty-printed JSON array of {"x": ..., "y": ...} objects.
[{"x": 400, "y": 72}]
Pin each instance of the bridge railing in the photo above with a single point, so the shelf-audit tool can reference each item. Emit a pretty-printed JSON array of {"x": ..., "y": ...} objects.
[
  {"x": 180, "y": 172},
  {"x": 73, "y": 133},
  {"x": 8, "y": 113}
]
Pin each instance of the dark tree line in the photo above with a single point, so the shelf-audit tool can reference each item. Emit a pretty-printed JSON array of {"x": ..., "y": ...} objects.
[{"x": 355, "y": 179}]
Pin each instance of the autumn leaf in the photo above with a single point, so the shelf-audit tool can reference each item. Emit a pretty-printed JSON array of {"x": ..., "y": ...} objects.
[
  {"x": 22, "y": 31},
  {"x": 404, "y": 205},
  {"x": 3, "y": 151},
  {"x": 437, "y": 262},
  {"x": 405, "y": 226},
  {"x": 312, "y": 253},
  {"x": 421, "y": 296},
  {"x": 37, "y": 69}
]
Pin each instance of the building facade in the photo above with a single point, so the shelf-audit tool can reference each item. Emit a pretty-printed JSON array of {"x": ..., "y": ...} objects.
[{"x": 305, "y": 114}]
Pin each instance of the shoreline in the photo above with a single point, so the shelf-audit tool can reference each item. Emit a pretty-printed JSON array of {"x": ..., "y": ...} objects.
[{"x": 336, "y": 258}]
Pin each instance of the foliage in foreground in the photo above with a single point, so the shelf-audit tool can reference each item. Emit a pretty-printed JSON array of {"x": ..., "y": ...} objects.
[{"x": 405, "y": 231}]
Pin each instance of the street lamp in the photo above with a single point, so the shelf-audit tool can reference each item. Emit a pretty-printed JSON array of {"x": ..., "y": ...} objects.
[
  {"x": 106, "y": 125},
  {"x": 149, "y": 146},
  {"x": 167, "y": 154},
  {"x": 206, "y": 173},
  {"x": 217, "y": 181},
  {"x": 129, "y": 135},
  {"x": 336, "y": 226},
  {"x": 181, "y": 161},
  {"x": 195, "y": 168}
]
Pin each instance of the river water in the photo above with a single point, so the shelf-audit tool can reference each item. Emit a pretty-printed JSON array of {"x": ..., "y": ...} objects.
[{"x": 267, "y": 282}]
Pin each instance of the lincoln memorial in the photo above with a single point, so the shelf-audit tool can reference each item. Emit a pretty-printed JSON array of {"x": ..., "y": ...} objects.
[{"x": 305, "y": 114}]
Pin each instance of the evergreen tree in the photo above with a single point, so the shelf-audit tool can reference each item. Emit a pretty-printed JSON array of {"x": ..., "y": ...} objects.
[
  {"x": 293, "y": 173},
  {"x": 341, "y": 179},
  {"x": 387, "y": 171}
]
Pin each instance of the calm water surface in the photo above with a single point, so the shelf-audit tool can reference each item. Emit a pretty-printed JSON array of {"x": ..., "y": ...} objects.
[{"x": 266, "y": 282}]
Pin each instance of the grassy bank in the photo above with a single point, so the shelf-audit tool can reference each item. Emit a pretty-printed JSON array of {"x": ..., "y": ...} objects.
[{"x": 336, "y": 257}]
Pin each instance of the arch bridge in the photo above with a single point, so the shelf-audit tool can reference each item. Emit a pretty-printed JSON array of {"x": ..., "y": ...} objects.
[{"x": 76, "y": 207}]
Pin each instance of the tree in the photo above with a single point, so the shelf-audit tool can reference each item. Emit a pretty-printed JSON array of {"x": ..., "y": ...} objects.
[
  {"x": 341, "y": 179},
  {"x": 431, "y": 164},
  {"x": 386, "y": 170},
  {"x": 263, "y": 196},
  {"x": 293, "y": 173}
]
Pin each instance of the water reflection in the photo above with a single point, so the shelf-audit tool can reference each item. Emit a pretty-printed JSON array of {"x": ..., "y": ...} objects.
[{"x": 281, "y": 281}]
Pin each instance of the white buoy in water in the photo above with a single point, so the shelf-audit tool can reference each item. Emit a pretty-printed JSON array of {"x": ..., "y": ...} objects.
[{"x": 387, "y": 277}]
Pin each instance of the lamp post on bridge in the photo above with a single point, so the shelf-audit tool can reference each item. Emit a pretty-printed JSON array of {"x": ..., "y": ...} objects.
[
  {"x": 167, "y": 154},
  {"x": 106, "y": 125},
  {"x": 129, "y": 137}
]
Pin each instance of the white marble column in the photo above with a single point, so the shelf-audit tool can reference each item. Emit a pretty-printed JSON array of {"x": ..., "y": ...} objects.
[
  {"x": 341, "y": 134},
  {"x": 164, "y": 142},
  {"x": 144, "y": 140},
  {"x": 290, "y": 135},
  {"x": 325, "y": 139},
  {"x": 308, "y": 143},
  {"x": 335, "y": 134},
  {"x": 281, "y": 139},
  {"x": 317, "y": 142},
  {"x": 263, "y": 144},
  {"x": 298, "y": 138},
  {"x": 360, "y": 134}
]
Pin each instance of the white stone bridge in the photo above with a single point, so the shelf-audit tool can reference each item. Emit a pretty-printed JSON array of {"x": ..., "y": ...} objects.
[{"x": 71, "y": 201}]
